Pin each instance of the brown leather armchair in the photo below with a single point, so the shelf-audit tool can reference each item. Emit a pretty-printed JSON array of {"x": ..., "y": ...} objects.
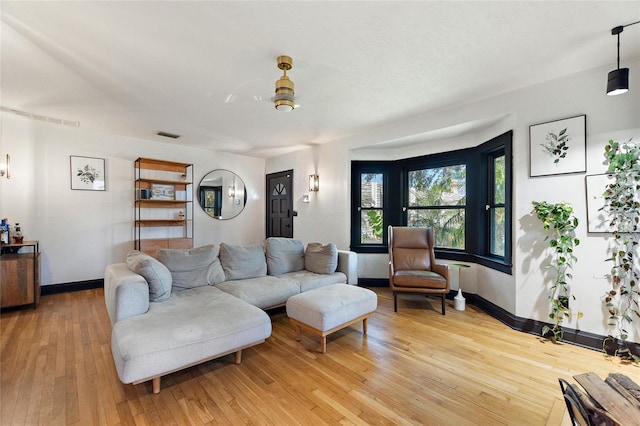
[{"x": 412, "y": 264}]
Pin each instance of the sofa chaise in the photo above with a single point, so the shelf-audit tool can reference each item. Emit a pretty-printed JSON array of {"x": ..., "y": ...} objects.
[{"x": 190, "y": 306}]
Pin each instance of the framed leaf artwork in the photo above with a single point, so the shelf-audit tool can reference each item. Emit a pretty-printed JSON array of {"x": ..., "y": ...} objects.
[{"x": 558, "y": 147}]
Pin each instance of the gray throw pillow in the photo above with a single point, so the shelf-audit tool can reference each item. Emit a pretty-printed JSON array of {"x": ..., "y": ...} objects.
[
  {"x": 284, "y": 255},
  {"x": 155, "y": 273},
  {"x": 321, "y": 259},
  {"x": 194, "y": 267},
  {"x": 241, "y": 262}
]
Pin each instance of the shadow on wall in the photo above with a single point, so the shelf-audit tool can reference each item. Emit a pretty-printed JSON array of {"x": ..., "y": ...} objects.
[{"x": 534, "y": 244}]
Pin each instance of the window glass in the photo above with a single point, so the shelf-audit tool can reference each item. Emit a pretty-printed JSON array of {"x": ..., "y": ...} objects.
[
  {"x": 498, "y": 180},
  {"x": 440, "y": 186},
  {"x": 497, "y": 209},
  {"x": 437, "y": 198},
  {"x": 371, "y": 227},
  {"x": 371, "y": 204},
  {"x": 371, "y": 191},
  {"x": 448, "y": 225},
  {"x": 497, "y": 231}
]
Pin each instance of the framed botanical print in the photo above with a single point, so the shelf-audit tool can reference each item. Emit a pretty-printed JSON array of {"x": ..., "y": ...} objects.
[
  {"x": 87, "y": 173},
  {"x": 558, "y": 147}
]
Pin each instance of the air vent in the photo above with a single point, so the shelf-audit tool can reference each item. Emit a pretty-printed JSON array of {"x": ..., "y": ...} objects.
[
  {"x": 168, "y": 135},
  {"x": 44, "y": 118}
]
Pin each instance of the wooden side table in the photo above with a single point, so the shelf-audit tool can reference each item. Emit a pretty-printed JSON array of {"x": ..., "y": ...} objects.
[{"x": 19, "y": 274}]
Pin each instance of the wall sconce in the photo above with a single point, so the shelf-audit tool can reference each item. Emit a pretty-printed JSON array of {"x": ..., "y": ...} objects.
[
  {"x": 5, "y": 169},
  {"x": 232, "y": 192},
  {"x": 314, "y": 183},
  {"x": 618, "y": 79}
]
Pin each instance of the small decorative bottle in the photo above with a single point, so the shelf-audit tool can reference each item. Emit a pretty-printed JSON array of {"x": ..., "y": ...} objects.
[
  {"x": 17, "y": 234},
  {"x": 181, "y": 215}
]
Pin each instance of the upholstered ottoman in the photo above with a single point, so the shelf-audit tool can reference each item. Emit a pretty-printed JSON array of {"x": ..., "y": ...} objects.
[{"x": 328, "y": 309}]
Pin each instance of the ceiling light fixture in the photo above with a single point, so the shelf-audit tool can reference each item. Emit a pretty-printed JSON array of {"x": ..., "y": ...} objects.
[
  {"x": 284, "y": 87},
  {"x": 618, "y": 79}
]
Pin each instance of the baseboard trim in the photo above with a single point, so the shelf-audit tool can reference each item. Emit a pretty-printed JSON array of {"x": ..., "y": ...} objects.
[
  {"x": 373, "y": 282},
  {"x": 526, "y": 325},
  {"x": 68, "y": 287}
]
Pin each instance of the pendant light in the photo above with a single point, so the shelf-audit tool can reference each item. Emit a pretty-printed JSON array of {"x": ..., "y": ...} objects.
[{"x": 618, "y": 79}]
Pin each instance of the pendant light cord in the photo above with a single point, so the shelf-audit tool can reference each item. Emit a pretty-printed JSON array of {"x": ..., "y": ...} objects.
[{"x": 616, "y": 31}]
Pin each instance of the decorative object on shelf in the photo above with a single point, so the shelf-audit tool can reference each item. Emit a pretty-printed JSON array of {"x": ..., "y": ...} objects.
[
  {"x": 163, "y": 192},
  {"x": 145, "y": 194},
  {"x": 559, "y": 221},
  {"x": 18, "y": 236},
  {"x": 618, "y": 79},
  {"x": 88, "y": 173},
  {"x": 314, "y": 183},
  {"x": 5, "y": 232},
  {"x": 558, "y": 147},
  {"x": 5, "y": 166}
]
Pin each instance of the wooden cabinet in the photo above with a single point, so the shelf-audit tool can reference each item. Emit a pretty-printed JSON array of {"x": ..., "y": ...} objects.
[
  {"x": 163, "y": 205},
  {"x": 19, "y": 275}
]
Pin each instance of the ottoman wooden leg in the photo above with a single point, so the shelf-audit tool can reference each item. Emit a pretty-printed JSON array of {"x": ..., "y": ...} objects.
[
  {"x": 364, "y": 326},
  {"x": 155, "y": 382},
  {"x": 298, "y": 333},
  {"x": 323, "y": 344}
]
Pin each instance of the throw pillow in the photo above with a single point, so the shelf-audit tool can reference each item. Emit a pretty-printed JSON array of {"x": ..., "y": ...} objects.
[
  {"x": 321, "y": 259},
  {"x": 241, "y": 262},
  {"x": 194, "y": 267},
  {"x": 155, "y": 273},
  {"x": 284, "y": 255}
]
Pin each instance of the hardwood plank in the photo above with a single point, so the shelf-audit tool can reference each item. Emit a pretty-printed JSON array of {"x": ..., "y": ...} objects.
[{"x": 414, "y": 366}]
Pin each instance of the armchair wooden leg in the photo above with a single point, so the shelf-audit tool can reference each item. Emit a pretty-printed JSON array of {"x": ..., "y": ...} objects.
[
  {"x": 443, "y": 304},
  {"x": 395, "y": 301}
]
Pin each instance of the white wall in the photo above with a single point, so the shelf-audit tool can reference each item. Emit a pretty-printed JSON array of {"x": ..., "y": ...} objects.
[
  {"x": 80, "y": 232},
  {"x": 523, "y": 293}
]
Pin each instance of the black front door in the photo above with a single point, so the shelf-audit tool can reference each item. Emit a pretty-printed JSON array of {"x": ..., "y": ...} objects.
[{"x": 280, "y": 204}]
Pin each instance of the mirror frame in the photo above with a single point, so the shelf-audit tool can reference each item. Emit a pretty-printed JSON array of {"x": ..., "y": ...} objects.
[{"x": 217, "y": 195}]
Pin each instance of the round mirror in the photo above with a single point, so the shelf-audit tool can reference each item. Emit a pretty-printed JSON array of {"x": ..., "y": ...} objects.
[{"x": 222, "y": 194}]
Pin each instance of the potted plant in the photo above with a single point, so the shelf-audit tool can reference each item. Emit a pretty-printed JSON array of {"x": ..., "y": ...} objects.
[
  {"x": 623, "y": 207},
  {"x": 558, "y": 220}
]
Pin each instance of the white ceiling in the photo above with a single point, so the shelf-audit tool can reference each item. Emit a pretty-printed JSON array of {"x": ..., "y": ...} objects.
[{"x": 194, "y": 68}]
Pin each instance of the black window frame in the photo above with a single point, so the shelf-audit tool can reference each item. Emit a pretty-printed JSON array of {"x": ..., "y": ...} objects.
[
  {"x": 478, "y": 193},
  {"x": 389, "y": 180}
]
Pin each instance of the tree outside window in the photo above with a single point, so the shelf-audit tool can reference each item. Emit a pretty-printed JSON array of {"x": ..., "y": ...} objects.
[
  {"x": 497, "y": 206},
  {"x": 437, "y": 198}
]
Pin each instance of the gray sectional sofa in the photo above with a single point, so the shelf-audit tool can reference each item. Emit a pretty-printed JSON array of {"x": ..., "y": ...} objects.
[{"x": 190, "y": 306}]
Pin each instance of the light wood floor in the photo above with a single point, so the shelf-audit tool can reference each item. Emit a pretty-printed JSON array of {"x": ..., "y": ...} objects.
[{"x": 413, "y": 367}]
